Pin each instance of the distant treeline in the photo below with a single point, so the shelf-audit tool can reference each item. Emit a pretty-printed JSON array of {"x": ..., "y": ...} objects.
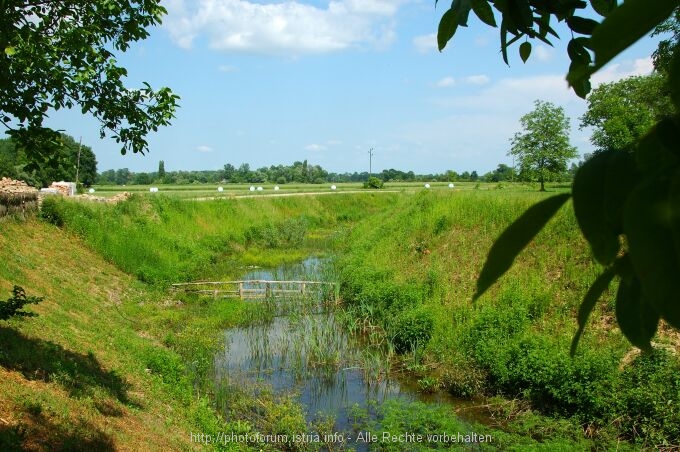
[{"x": 298, "y": 172}]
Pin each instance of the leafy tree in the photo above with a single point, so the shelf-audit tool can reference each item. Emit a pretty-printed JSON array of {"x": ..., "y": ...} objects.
[
  {"x": 622, "y": 112},
  {"x": 107, "y": 177},
  {"x": 59, "y": 54},
  {"x": 123, "y": 176},
  {"x": 627, "y": 204},
  {"x": 502, "y": 173},
  {"x": 243, "y": 173},
  {"x": 543, "y": 148},
  {"x": 161, "y": 171},
  {"x": 663, "y": 55},
  {"x": 14, "y": 162},
  {"x": 228, "y": 172}
]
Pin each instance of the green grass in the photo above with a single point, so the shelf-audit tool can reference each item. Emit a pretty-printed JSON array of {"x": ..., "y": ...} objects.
[
  {"x": 200, "y": 191},
  {"x": 114, "y": 360},
  {"x": 412, "y": 271}
]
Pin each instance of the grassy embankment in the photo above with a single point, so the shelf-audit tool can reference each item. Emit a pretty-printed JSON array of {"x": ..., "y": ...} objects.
[
  {"x": 412, "y": 271},
  {"x": 114, "y": 361}
]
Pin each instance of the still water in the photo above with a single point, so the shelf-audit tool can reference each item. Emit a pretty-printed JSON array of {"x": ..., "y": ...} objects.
[{"x": 304, "y": 350}]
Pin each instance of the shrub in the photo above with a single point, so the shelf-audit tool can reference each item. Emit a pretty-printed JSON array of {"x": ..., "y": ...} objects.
[
  {"x": 411, "y": 330},
  {"x": 374, "y": 182},
  {"x": 14, "y": 305},
  {"x": 51, "y": 211}
]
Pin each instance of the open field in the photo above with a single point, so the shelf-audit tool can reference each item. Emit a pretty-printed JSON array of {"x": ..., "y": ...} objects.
[{"x": 239, "y": 190}]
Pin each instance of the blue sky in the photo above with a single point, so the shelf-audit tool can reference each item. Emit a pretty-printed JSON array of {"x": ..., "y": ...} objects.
[{"x": 269, "y": 83}]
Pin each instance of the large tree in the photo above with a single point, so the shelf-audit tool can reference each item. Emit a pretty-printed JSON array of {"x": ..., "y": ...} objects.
[
  {"x": 61, "y": 54},
  {"x": 542, "y": 148},
  {"x": 663, "y": 55},
  {"x": 627, "y": 204},
  {"x": 622, "y": 112},
  {"x": 71, "y": 160}
]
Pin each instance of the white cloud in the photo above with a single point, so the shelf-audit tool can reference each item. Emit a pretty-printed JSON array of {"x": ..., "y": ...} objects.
[
  {"x": 477, "y": 79},
  {"x": 226, "y": 68},
  {"x": 542, "y": 53},
  {"x": 426, "y": 43},
  {"x": 288, "y": 28},
  {"x": 446, "y": 82},
  {"x": 473, "y": 127},
  {"x": 204, "y": 148},
  {"x": 618, "y": 71},
  {"x": 314, "y": 147}
]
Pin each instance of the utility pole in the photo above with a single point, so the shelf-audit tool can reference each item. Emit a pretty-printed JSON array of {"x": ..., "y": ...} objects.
[
  {"x": 80, "y": 144},
  {"x": 370, "y": 162}
]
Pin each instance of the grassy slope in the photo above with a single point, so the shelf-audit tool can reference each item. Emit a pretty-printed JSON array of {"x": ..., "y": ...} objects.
[
  {"x": 73, "y": 377},
  {"x": 515, "y": 339},
  {"x": 104, "y": 364}
]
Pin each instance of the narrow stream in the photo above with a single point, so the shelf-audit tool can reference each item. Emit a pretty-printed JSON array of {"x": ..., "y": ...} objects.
[{"x": 307, "y": 352}]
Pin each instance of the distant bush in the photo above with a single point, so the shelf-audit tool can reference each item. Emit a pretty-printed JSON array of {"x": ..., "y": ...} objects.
[
  {"x": 374, "y": 182},
  {"x": 14, "y": 305}
]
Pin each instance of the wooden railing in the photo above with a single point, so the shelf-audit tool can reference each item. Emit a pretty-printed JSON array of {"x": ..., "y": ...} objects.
[{"x": 256, "y": 288}]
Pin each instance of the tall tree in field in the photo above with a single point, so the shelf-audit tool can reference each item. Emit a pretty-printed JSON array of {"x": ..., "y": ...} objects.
[
  {"x": 543, "y": 148},
  {"x": 161, "y": 171},
  {"x": 60, "y": 54},
  {"x": 622, "y": 112}
]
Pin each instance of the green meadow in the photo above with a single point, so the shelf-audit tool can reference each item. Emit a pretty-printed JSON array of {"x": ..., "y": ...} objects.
[{"x": 114, "y": 359}]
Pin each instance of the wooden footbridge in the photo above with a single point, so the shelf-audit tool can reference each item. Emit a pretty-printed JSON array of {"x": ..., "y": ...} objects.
[{"x": 260, "y": 289}]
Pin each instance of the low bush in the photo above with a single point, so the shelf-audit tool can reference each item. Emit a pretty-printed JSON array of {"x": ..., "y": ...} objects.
[
  {"x": 14, "y": 305},
  {"x": 411, "y": 329},
  {"x": 374, "y": 182}
]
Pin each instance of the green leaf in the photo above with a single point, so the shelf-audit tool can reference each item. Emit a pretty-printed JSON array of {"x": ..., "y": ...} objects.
[
  {"x": 577, "y": 52},
  {"x": 504, "y": 40},
  {"x": 514, "y": 239},
  {"x": 579, "y": 78},
  {"x": 637, "y": 319},
  {"x": 601, "y": 187},
  {"x": 603, "y": 7},
  {"x": 648, "y": 217},
  {"x": 455, "y": 16},
  {"x": 674, "y": 199},
  {"x": 588, "y": 303},
  {"x": 582, "y": 25},
  {"x": 9, "y": 50},
  {"x": 658, "y": 150},
  {"x": 627, "y": 23},
  {"x": 520, "y": 12},
  {"x": 483, "y": 10},
  {"x": 525, "y": 51},
  {"x": 447, "y": 28}
]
